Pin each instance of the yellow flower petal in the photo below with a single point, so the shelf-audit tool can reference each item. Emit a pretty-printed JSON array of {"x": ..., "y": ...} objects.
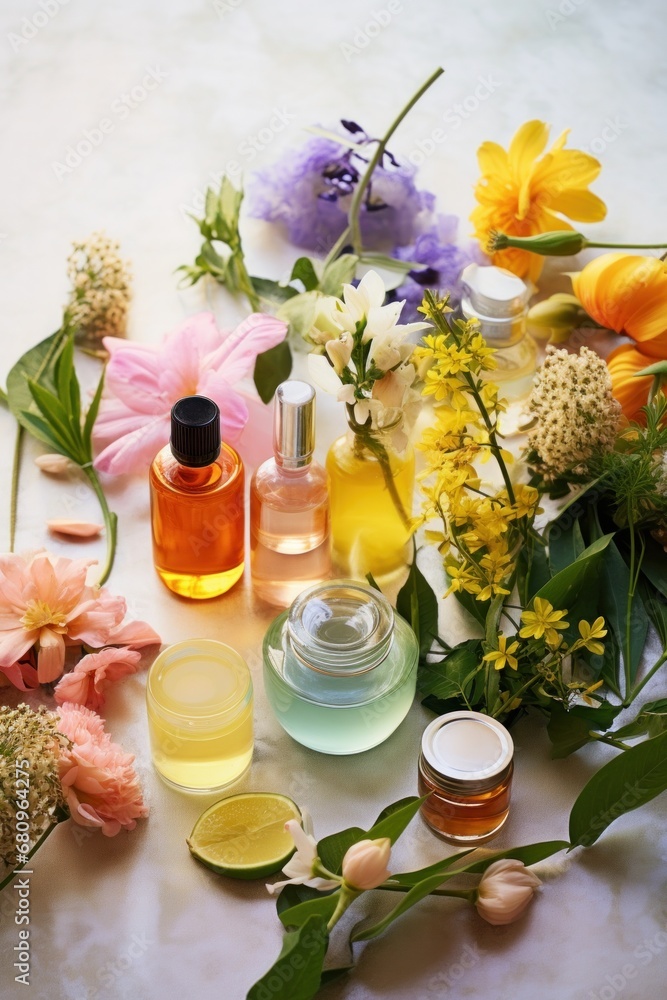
[
  {"x": 580, "y": 205},
  {"x": 492, "y": 159},
  {"x": 529, "y": 141}
]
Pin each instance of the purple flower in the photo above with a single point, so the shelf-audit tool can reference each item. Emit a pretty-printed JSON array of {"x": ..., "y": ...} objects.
[
  {"x": 309, "y": 190},
  {"x": 444, "y": 260}
]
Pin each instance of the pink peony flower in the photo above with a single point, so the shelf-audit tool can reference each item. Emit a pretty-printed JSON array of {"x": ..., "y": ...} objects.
[
  {"x": 99, "y": 782},
  {"x": 46, "y": 602},
  {"x": 86, "y": 683},
  {"x": 144, "y": 381}
]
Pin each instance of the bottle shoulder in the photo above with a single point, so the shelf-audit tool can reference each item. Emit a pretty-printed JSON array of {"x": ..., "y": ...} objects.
[
  {"x": 169, "y": 475},
  {"x": 302, "y": 488}
]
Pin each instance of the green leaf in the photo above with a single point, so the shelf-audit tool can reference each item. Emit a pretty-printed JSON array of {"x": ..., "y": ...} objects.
[
  {"x": 532, "y": 571},
  {"x": 43, "y": 432},
  {"x": 37, "y": 364},
  {"x": 272, "y": 291},
  {"x": 628, "y": 781},
  {"x": 296, "y": 974},
  {"x": 451, "y": 676},
  {"x": 570, "y": 730},
  {"x": 292, "y": 895},
  {"x": 652, "y": 720},
  {"x": 477, "y": 609},
  {"x": 566, "y": 543},
  {"x": 563, "y": 588},
  {"x": 654, "y": 565},
  {"x": 322, "y": 906},
  {"x": 91, "y": 416},
  {"x": 415, "y": 895},
  {"x": 300, "y": 311},
  {"x": 338, "y": 273},
  {"x": 57, "y": 418},
  {"x": 304, "y": 271},
  {"x": 614, "y": 590},
  {"x": 417, "y": 603},
  {"x": 530, "y": 854},
  {"x": 271, "y": 368},
  {"x": 391, "y": 823}
]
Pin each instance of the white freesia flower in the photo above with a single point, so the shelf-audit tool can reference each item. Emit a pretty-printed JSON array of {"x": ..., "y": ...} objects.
[
  {"x": 340, "y": 351},
  {"x": 300, "y": 867},
  {"x": 366, "y": 302},
  {"x": 505, "y": 891}
]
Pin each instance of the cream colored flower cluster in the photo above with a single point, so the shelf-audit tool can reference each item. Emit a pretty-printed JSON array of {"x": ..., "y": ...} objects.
[
  {"x": 100, "y": 294},
  {"x": 30, "y": 747},
  {"x": 577, "y": 416}
]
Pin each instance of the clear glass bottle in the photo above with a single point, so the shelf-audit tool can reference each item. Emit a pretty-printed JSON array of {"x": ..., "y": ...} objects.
[
  {"x": 199, "y": 699},
  {"x": 290, "y": 544},
  {"x": 369, "y": 526},
  {"x": 498, "y": 299},
  {"x": 466, "y": 764},
  {"x": 340, "y": 668},
  {"x": 197, "y": 504}
]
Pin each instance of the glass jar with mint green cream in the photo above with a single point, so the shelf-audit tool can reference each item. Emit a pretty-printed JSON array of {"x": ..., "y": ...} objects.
[{"x": 340, "y": 668}]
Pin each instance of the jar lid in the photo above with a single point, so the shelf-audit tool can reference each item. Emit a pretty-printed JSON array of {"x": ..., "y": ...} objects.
[
  {"x": 341, "y": 627},
  {"x": 467, "y": 749},
  {"x": 492, "y": 292},
  {"x": 198, "y": 684}
]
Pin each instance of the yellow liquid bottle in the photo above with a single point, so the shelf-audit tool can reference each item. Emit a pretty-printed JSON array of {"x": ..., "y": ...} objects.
[
  {"x": 369, "y": 535},
  {"x": 199, "y": 699}
]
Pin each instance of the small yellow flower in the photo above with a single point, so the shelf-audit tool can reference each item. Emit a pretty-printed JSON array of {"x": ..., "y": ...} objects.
[
  {"x": 543, "y": 621},
  {"x": 589, "y": 634},
  {"x": 502, "y": 656},
  {"x": 461, "y": 578},
  {"x": 526, "y": 499}
]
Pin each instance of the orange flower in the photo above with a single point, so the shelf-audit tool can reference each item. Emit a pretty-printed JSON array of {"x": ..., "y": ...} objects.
[
  {"x": 631, "y": 392},
  {"x": 628, "y": 294},
  {"x": 522, "y": 193}
]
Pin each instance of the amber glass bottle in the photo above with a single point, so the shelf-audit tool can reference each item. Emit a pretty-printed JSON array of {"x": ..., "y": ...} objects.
[{"x": 197, "y": 504}]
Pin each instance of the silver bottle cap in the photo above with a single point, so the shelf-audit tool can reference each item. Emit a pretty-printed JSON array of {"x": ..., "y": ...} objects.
[
  {"x": 294, "y": 424},
  {"x": 498, "y": 299}
]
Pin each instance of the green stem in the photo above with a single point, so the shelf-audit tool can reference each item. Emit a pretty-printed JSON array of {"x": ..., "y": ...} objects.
[
  {"x": 353, "y": 228},
  {"x": 110, "y": 523},
  {"x": 627, "y": 246},
  {"x": 346, "y": 898},
  {"x": 14, "y": 501},
  {"x": 515, "y": 694},
  {"x": 644, "y": 681},
  {"x": 17, "y": 868},
  {"x": 627, "y": 652},
  {"x": 609, "y": 740},
  {"x": 468, "y": 894}
]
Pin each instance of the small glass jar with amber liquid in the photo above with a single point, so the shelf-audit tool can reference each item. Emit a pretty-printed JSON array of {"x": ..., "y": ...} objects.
[{"x": 465, "y": 768}]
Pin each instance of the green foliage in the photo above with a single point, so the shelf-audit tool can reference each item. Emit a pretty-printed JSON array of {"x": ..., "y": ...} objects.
[
  {"x": 417, "y": 603},
  {"x": 298, "y": 968},
  {"x": 271, "y": 368},
  {"x": 628, "y": 781}
]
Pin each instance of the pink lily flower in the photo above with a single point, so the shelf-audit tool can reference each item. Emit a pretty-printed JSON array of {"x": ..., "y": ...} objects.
[{"x": 143, "y": 382}]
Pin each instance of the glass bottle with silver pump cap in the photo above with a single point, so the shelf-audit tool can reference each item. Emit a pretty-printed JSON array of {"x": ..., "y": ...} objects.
[
  {"x": 289, "y": 504},
  {"x": 465, "y": 768},
  {"x": 340, "y": 668},
  {"x": 498, "y": 299}
]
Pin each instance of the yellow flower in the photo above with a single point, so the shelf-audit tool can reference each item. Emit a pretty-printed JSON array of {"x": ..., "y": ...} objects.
[
  {"x": 543, "y": 621},
  {"x": 502, "y": 656},
  {"x": 590, "y": 633},
  {"x": 461, "y": 578},
  {"x": 520, "y": 190},
  {"x": 526, "y": 499}
]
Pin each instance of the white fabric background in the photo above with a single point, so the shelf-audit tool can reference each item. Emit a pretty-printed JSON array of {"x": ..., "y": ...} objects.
[{"x": 136, "y": 917}]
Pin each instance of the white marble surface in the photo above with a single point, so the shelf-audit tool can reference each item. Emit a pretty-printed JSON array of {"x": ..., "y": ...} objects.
[{"x": 135, "y": 916}]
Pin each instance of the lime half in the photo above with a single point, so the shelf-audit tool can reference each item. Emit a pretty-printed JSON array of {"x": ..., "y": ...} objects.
[{"x": 244, "y": 836}]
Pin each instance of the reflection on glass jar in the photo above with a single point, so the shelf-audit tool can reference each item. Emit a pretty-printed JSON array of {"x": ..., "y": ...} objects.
[
  {"x": 340, "y": 668},
  {"x": 466, "y": 766}
]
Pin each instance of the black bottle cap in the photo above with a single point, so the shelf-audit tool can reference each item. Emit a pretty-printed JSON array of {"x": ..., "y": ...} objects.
[{"x": 195, "y": 431}]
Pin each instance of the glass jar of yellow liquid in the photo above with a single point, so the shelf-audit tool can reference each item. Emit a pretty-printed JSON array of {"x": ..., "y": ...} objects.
[
  {"x": 199, "y": 697},
  {"x": 369, "y": 518}
]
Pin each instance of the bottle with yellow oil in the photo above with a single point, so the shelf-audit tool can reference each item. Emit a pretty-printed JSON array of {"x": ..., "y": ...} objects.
[
  {"x": 199, "y": 698},
  {"x": 371, "y": 503}
]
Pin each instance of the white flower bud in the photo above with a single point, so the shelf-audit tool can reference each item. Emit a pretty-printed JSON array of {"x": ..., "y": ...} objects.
[
  {"x": 505, "y": 891},
  {"x": 365, "y": 864}
]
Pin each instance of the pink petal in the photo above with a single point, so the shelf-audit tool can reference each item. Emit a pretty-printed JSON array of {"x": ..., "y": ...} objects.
[
  {"x": 75, "y": 687},
  {"x": 51, "y": 656},
  {"x": 255, "y": 443},
  {"x": 135, "y": 451},
  {"x": 256, "y": 334},
  {"x": 135, "y": 635},
  {"x": 233, "y": 410},
  {"x": 15, "y": 643}
]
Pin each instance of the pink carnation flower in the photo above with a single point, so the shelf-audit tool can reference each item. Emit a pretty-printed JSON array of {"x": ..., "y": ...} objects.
[
  {"x": 99, "y": 782},
  {"x": 144, "y": 381},
  {"x": 46, "y": 603},
  {"x": 86, "y": 683}
]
